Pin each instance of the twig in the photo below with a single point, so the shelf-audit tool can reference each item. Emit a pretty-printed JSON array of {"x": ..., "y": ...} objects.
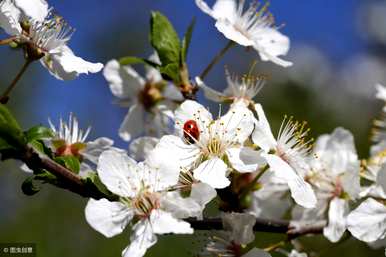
[
  {"x": 7, "y": 40},
  {"x": 216, "y": 59},
  {"x": 5, "y": 96},
  {"x": 263, "y": 225},
  {"x": 68, "y": 179},
  {"x": 75, "y": 184}
]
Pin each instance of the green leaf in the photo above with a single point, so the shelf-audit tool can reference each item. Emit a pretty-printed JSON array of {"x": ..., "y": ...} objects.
[
  {"x": 38, "y": 132},
  {"x": 128, "y": 60},
  {"x": 4, "y": 145},
  {"x": 7, "y": 117},
  {"x": 28, "y": 187},
  {"x": 45, "y": 176},
  {"x": 93, "y": 182},
  {"x": 171, "y": 72},
  {"x": 186, "y": 40},
  {"x": 70, "y": 162},
  {"x": 164, "y": 39},
  {"x": 10, "y": 131}
]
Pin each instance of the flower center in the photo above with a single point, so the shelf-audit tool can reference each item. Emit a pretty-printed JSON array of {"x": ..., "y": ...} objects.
[
  {"x": 150, "y": 95},
  {"x": 214, "y": 147},
  {"x": 145, "y": 203}
]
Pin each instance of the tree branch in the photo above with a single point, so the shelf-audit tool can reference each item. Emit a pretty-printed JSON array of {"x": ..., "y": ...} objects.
[
  {"x": 67, "y": 179},
  {"x": 263, "y": 225},
  {"x": 74, "y": 183}
]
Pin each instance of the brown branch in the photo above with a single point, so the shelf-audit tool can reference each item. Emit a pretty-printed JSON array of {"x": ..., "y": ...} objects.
[
  {"x": 263, "y": 225},
  {"x": 74, "y": 183},
  {"x": 67, "y": 179},
  {"x": 7, "y": 40}
]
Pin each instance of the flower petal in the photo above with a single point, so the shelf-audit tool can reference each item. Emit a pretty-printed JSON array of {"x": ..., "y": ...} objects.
[
  {"x": 133, "y": 123},
  {"x": 185, "y": 154},
  {"x": 64, "y": 65},
  {"x": 381, "y": 177},
  {"x": 192, "y": 206},
  {"x": 10, "y": 17},
  {"x": 108, "y": 218},
  {"x": 163, "y": 223},
  {"x": 204, "y": 7},
  {"x": 381, "y": 92},
  {"x": 210, "y": 93},
  {"x": 225, "y": 9},
  {"x": 368, "y": 222},
  {"x": 337, "y": 151},
  {"x": 301, "y": 191},
  {"x": 236, "y": 125},
  {"x": 213, "y": 173},
  {"x": 227, "y": 28},
  {"x": 255, "y": 252},
  {"x": 141, "y": 147},
  {"x": 245, "y": 159},
  {"x": 274, "y": 42},
  {"x": 295, "y": 253},
  {"x": 240, "y": 225},
  {"x": 262, "y": 135},
  {"x": 124, "y": 81},
  {"x": 166, "y": 173},
  {"x": 141, "y": 239},
  {"x": 35, "y": 9},
  {"x": 118, "y": 172},
  {"x": 336, "y": 219},
  {"x": 95, "y": 148}
]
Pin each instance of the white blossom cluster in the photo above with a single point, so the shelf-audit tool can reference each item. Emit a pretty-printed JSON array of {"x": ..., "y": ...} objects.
[{"x": 181, "y": 157}]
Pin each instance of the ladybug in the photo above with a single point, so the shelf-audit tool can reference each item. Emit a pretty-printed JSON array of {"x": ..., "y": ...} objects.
[{"x": 191, "y": 131}]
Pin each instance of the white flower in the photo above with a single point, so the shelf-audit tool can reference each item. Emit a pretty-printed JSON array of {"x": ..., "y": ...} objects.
[
  {"x": 141, "y": 147},
  {"x": 295, "y": 253},
  {"x": 271, "y": 201},
  {"x": 45, "y": 36},
  {"x": 249, "y": 28},
  {"x": 69, "y": 139},
  {"x": 203, "y": 143},
  {"x": 141, "y": 187},
  {"x": 381, "y": 92},
  {"x": 238, "y": 231},
  {"x": 368, "y": 222},
  {"x": 334, "y": 175},
  {"x": 150, "y": 100},
  {"x": 242, "y": 89},
  {"x": 13, "y": 12},
  {"x": 287, "y": 156},
  {"x": 193, "y": 205}
]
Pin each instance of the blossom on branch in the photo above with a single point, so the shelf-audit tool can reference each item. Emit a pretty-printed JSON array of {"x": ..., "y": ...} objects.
[
  {"x": 249, "y": 28},
  {"x": 141, "y": 187},
  {"x": 151, "y": 100},
  {"x": 44, "y": 36}
]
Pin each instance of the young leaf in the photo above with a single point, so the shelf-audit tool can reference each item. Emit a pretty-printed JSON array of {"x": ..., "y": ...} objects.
[
  {"x": 93, "y": 182},
  {"x": 70, "y": 162},
  {"x": 10, "y": 131},
  {"x": 7, "y": 117},
  {"x": 164, "y": 39},
  {"x": 28, "y": 187},
  {"x": 186, "y": 40},
  {"x": 171, "y": 72},
  {"x": 128, "y": 60},
  {"x": 37, "y": 133}
]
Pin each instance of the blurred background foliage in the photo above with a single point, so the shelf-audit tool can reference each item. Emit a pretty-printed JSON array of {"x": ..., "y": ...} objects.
[{"x": 339, "y": 53}]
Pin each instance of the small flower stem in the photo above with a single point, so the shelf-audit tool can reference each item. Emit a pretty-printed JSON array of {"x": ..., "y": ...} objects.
[
  {"x": 216, "y": 59},
  {"x": 5, "y": 96},
  {"x": 251, "y": 185},
  {"x": 7, "y": 41},
  {"x": 274, "y": 246}
]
